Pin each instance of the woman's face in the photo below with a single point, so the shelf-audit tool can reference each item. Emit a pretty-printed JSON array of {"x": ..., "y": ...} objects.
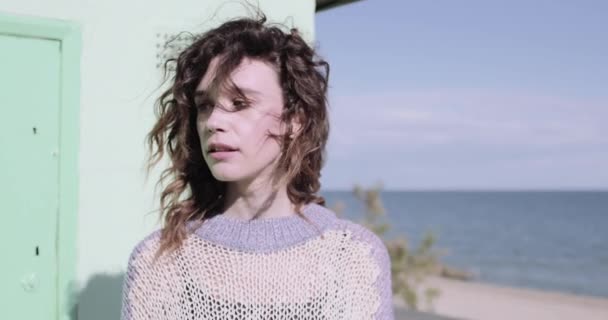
[{"x": 246, "y": 129}]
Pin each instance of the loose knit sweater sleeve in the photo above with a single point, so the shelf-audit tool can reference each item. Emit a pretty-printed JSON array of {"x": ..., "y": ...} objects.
[{"x": 268, "y": 268}]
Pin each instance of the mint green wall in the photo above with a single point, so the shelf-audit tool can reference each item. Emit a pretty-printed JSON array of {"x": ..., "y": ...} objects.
[
  {"x": 118, "y": 84},
  {"x": 38, "y": 165}
]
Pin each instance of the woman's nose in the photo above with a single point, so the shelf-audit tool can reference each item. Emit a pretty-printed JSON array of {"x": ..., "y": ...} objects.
[{"x": 217, "y": 119}]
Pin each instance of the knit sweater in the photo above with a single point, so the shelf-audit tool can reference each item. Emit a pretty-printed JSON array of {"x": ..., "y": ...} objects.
[{"x": 265, "y": 268}]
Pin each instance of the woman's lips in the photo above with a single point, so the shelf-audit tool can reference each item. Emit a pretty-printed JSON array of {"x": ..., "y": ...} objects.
[{"x": 222, "y": 155}]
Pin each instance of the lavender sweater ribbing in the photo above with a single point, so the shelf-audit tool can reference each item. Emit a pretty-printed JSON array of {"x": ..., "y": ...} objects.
[{"x": 267, "y": 268}]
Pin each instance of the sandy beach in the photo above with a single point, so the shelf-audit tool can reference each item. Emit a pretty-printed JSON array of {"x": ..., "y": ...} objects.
[{"x": 481, "y": 301}]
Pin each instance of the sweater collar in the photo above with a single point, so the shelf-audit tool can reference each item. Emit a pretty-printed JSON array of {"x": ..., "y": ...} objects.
[{"x": 267, "y": 234}]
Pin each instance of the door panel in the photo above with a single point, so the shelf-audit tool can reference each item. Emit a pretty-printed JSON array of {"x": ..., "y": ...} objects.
[{"x": 29, "y": 158}]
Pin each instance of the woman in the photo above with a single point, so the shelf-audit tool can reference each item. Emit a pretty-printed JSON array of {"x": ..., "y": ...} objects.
[{"x": 245, "y": 234}]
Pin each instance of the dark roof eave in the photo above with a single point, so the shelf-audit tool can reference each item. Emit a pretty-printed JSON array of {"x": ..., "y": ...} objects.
[{"x": 322, "y": 5}]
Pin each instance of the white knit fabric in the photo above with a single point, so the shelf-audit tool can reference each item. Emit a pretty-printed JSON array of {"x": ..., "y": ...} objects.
[{"x": 331, "y": 277}]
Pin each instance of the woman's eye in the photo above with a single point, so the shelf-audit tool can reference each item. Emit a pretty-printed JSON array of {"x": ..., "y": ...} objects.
[
  {"x": 202, "y": 107},
  {"x": 239, "y": 104}
]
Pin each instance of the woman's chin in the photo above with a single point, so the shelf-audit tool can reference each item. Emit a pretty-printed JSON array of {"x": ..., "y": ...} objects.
[{"x": 224, "y": 175}]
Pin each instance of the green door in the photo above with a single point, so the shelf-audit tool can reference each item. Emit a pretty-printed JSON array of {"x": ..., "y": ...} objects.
[{"x": 30, "y": 94}]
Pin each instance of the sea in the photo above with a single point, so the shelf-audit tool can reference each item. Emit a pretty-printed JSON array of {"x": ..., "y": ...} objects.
[{"x": 548, "y": 240}]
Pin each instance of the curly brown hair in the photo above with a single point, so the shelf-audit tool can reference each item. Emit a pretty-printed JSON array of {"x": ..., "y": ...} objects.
[{"x": 192, "y": 193}]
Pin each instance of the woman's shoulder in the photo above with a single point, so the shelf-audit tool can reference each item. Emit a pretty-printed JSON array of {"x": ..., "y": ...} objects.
[
  {"x": 359, "y": 243},
  {"x": 339, "y": 222},
  {"x": 359, "y": 232},
  {"x": 145, "y": 248}
]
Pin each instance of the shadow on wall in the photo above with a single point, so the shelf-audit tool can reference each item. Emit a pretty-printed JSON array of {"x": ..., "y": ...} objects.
[{"x": 100, "y": 299}]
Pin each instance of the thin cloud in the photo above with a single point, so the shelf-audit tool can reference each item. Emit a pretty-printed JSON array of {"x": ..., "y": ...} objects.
[{"x": 466, "y": 116}]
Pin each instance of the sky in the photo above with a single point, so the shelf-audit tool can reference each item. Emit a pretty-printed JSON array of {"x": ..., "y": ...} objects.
[{"x": 467, "y": 95}]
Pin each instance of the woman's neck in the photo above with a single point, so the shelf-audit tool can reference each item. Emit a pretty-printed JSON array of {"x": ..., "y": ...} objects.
[{"x": 261, "y": 201}]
